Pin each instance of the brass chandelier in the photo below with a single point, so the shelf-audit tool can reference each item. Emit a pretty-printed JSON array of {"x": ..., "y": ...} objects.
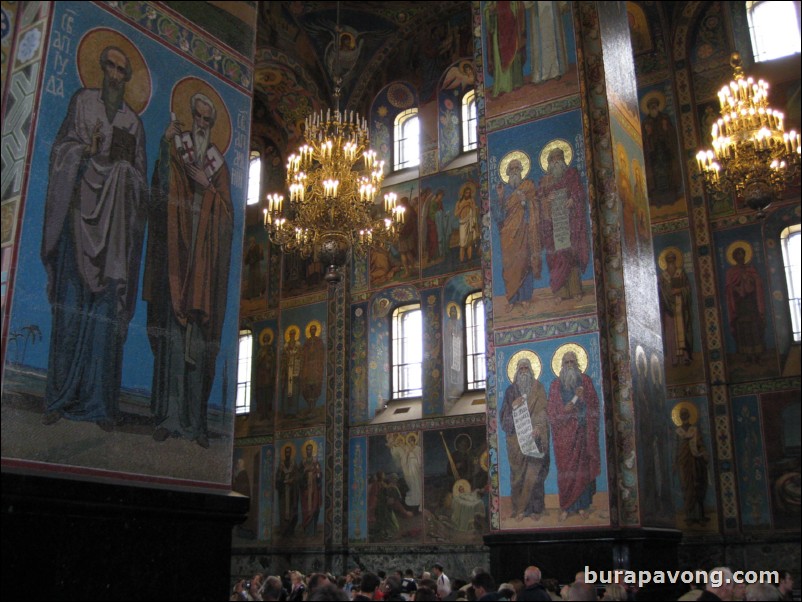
[
  {"x": 333, "y": 180},
  {"x": 752, "y": 154}
]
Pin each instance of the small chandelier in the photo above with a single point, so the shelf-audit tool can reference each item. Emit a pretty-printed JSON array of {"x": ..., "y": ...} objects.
[
  {"x": 333, "y": 180},
  {"x": 752, "y": 154}
]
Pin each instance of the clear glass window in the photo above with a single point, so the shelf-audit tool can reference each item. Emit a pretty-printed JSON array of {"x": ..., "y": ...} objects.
[
  {"x": 790, "y": 240},
  {"x": 469, "y": 121},
  {"x": 774, "y": 27},
  {"x": 243, "y": 405},
  {"x": 475, "y": 337},
  {"x": 254, "y": 178},
  {"x": 407, "y": 140},
  {"x": 407, "y": 350}
]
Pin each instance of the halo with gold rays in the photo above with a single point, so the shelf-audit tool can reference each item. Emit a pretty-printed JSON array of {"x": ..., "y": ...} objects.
[
  {"x": 180, "y": 105},
  {"x": 526, "y": 164},
  {"x": 293, "y": 451},
  {"x": 92, "y": 44},
  {"x": 307, "y": 330},
  {"x": 692, "y": 410},
  {"x": 289, "y": 329},
  {"x": 313, "y": 443},
  {"x": 739, "y": 244},
  {"x": 455, "y": 306},
  {"x": 413, "y": 439},
  {"x": 661, "y": 259},
  {"x": 581, "y": 357},
  {"x": 266, "y": 336},
  {"x": 534, "y": 360},
  {"x": 567, "y": 149}
]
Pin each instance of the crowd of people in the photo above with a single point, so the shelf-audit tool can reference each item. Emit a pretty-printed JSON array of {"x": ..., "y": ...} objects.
[{"x": 436, "y": 586}]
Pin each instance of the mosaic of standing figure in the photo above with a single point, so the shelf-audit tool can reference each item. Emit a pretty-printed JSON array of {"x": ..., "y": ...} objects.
[
  {"x": 528, "y": 45},
  {"x": 541, "y": 234},
  {"x": 265, "y": 365},
  {"x": 752, "y": 475},
  {"x": 298, "y": 484},
  {"x": 781, "y": 434},
  {"x": 551, "y": 455},
  {"x": 749, "y": 332},
  {"x": 130, "y": 185},
  {"x": 302, "y": 368}
]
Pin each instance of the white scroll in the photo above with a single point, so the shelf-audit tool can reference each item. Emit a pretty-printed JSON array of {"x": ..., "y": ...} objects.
[
  {"x": 523, "y": 430},
  {"x": 560, "y": 219}
]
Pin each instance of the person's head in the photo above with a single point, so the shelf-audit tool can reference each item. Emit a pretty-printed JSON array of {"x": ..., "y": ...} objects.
[
  {"x": 719, "y": 582},
  {"x": 570, "y": 374},
  {"x": 762, "y": 591},
  {"x": 203, "y": 118},
  {"x": 739, "y": 255},
  {"x": 116, "y": 73},
  {"x": 392, "y": 587},
  {"x": 532, "y": 576},
  {"x": 515, "y": 170},
  {"x": 524, "y": 376},
  {"x": 296, "y": 578},
  {"x": 556, "y": 163},
  {"x": 507, "y": 591},
  {"x": 310, "y": 450},
  {"x": 369, "y": 583},
  {"x": 452, "y": 312},
  {"x": 580, "y": 576},
  {"x": 483, "y": 583},
  {"x": 785, "y": 581},
  {"x": 240, "y": 464},
  {"x": 328, "y": 591},
  {"x": 424, "y": 594},
  {"x": 287, "y": 453},
  {"x": 653, "y": 106},
  {"x": 317, "y": 579},
  {"x": 582, "y": 591},
  {"x": 671, "y": 258},
  {"x": 437, "y": 569},
  {"x": 467, "y": 192},
  {"x": 272, "y": 589},
  {"x": 614, "y": 591},
  {"x": 684, "y": 415}
]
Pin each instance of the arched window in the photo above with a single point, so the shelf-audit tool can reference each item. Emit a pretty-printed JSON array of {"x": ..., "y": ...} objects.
[
  {"x": 790, "y": 241},
  {"x": 243, "y": 405},
  {"x": 254, "y": 177},
  {"x": 475, "y": 338},
  {"x": 469, "y": 121},
  {"x": 774, "y": 27},
  {"x": 407, "y": 140},
  {"x": 407, "y": 360}
]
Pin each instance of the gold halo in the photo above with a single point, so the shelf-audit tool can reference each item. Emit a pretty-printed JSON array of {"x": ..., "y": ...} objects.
[
  {"x": 454, "y": 305},
  {"x": 640, "y": 356},
  {"x": 484, "y": 461},
  {"x": 581, "y": 357},
  {"x": 138, "y": 89},
  {"x": 526, "y": 164},
  {"x": 179, "y": 104},
  {"x": 313, "y": 443},
  {"x": 293, "y": 452},
  {"x": 400, "y": 439},
  {"x": 470, "y": 185},
  {"x": 739, "y": 244},
  {"x": 512, "y": 365},
  {"x": 289, "y": 328},
  {"x": 309, "y": 328},
  {"x": 266, "y": 336},
  {"x": 414, "y": 439},
  {"x": 661, "y": 101},
  {"x": 692, "y": 409},
  {"x": 464, "y": 483},
  {"x": 661, "y": 259},
  {"x": 568, "y": 152}
]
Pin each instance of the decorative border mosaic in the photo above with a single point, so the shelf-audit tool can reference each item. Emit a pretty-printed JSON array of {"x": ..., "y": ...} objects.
[
  {"x": 425, "y": 424},
  {"x": 533, "y": 112},
  {"x": 547, "y": 330}
]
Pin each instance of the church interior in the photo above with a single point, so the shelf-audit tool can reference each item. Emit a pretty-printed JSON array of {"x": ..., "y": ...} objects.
[{"x": 579, "y": 344}]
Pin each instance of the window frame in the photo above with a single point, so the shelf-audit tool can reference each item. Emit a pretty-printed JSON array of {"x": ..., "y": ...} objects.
[
  {"x": 403, "y": 143},
  {"x": 244, "y": 373},
  {"x": 793, "y": 293},
  {"x": 475, "y": 338},
  {"x": 254, "y": 156},
  {"x": 470, "y": 135},
  {"x": 765, "y": 30},
  {"x": 402, "y": 383}
]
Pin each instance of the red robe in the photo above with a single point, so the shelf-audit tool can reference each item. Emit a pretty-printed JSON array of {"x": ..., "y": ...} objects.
[{"x": 575, "y": 435}]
